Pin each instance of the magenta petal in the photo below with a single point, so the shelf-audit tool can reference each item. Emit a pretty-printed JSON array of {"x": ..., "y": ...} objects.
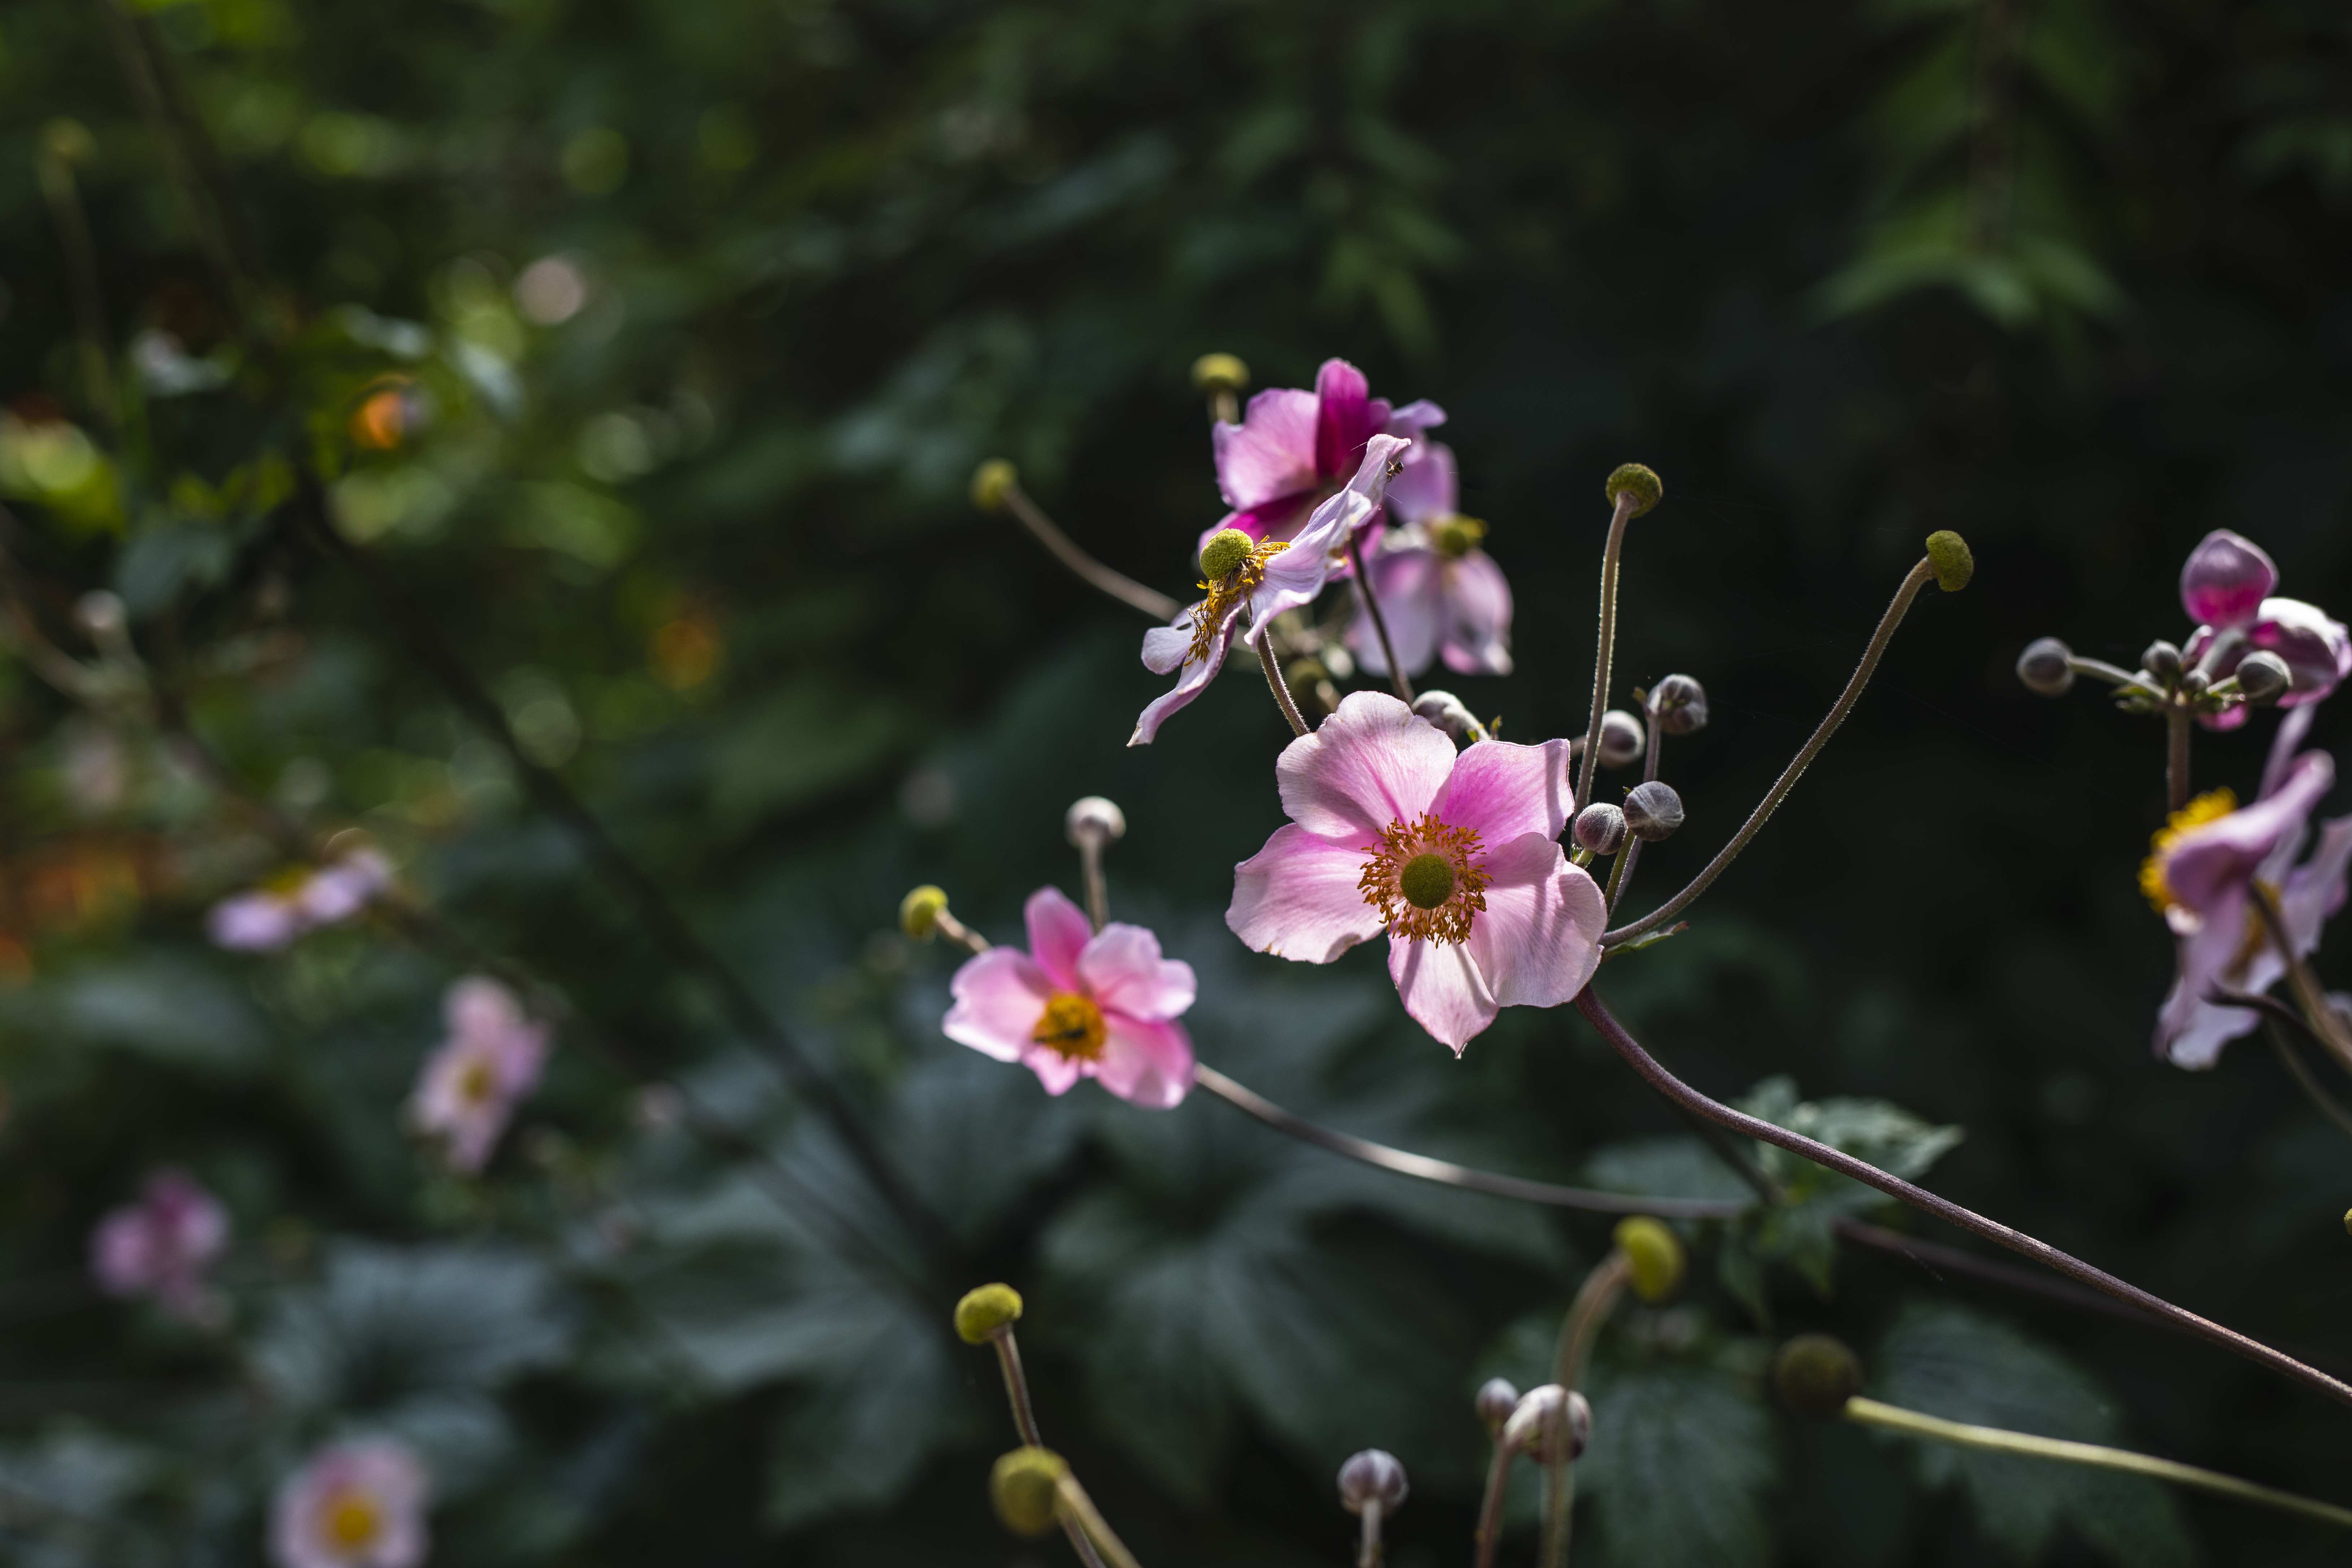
[
  {"x": 1501, "y": 790},
  {"x": 2226, "y": 579},
  {"x": 1123, "y": 972},
  {"x": 1407, "y": 583},
  {"x": 1413, "y": 418},
  {"x": 1299, "y": 898},
  {"x": 1058, "y": 933},
  {"x": 1343, "y": 417},
  {"x": 1147, "y": 1063},
  {"x": 2314, "y": 891},
  {"x": 1271, "y": 453},
  {"x": 999, "y": 995},
  {"x": 1281, "y": 518},
  {"x": 1478, "y": 638},
  {"x": 2317, "y": 648},
  {"x": 1426, "y": 491},
  {"x": 1538, "y": 938},
  {"x": 2207, "y": 863},
  {"x": 1441, "y": 988},
  {"x": 1373, "y": 762}
]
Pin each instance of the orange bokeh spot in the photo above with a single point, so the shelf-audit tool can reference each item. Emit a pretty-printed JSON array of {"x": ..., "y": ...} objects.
[
  {"x": 686, "y": 651},
  {"x": 381, "y": 420}
]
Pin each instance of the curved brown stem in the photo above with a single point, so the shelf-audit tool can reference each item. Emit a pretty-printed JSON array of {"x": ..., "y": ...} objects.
[
  {"x": 1274, "y": 681},
  {"x": 1093, "y": 573},
  {"x": 1397, "y": 677}
]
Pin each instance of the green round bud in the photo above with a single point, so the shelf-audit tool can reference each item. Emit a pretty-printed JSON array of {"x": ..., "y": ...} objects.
[
  {"x": 1655, "y": 1254},
  {"x": 68, "y": 141},
  {"x": 1456, "y": 536},
  {"x": 991, "y": 482},
  {"x": 1027, "y": 1486},
  {"x": 1427, "y": 881},
  {"x": 1647, "y": 487},
  {"x": 1227, "y": 548},
  {"x": 1219, "y": 372},
  {"x": 919, "y": 912},
  {"x": 1954, "y": 564},
  {"x": 983, "y": 1312},
  {"x": 1815, "y": 1375}
]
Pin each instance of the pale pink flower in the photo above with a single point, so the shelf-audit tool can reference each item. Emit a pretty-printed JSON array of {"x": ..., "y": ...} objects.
[
  {"x": 2226, "y": 586},
  {"x": 1439, "y": 594},
  {"x": 1293, "y": 449},
  {"x": 270, "y": 917},
  {"x": 1080, "y": 1004},
  {"x": 162, "y": 1246},
  {"x": 354, "y": 1505},
  {"x": 1456, "y": 855},
  {"x": 471, "y": 1084}
]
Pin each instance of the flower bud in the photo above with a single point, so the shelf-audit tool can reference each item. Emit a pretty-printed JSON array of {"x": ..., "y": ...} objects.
[
  {"x": 990, "y": 483},
  {"x": 1227, "y": 548},
  {"x": 2263, "y": 677},
  {"x": 1655, "y": 1254},
  {"x": 1652, "y": 811},
  {"x": 1449, "y": 713},
  {"x": 1622, "y": 739},
  {"x": 1680, "y": 704},
  {"x": 1954, "y": 563},
  {"x": 1601, "y": 827},
  {"x": 1648, "y": 490},
  {"x": 2196, "y": 683},
  {"x": 1094, "y": 820},
  {"x": 919, "y": 911},
  {"x": 983, "y": 1312},
  {"x": 99, "y": 613},
  {"x": 2046, "y": 667},
  {"x": 1027, "y": 1486},
  {"x": 1815, "y": 1375},
  {"x": 1497, "y": 1397},
  {"x": 1212, "y": 373},
  {"x": 2226, "y": 579},
  {"x": 2162, "y": 661},
  {"x": 1542, "y": 1412},
  {"x": 1372, "y": 1475}
]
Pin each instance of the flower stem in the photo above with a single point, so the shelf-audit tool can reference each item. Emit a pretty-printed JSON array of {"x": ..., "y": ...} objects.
[
  {"x": 1626, "y": 502},
  {"x": 1993, "y": 1439},
  {"x": 2318, "y": 1016},
  {"x": 1397, "y": 678},
  {"x": 1921, "y": 575},
  {"x": 1282, "y": 698},
  {"x": 1118, "y": 585},
  {"x": 1620, "y": 875},
  {"x": 1025, "y": 1419},
  {"x": 1590, "y": 1309},
  {"x": 963, "y": 935},
  {"x": 1489, "y": 1532},
  {"x": 1367, "y": 1552},
  {"x": 1673, "y": 1088},
  {"x": 2312, "y": 1088},
  {"x": 2100, "y": 670},
  {"x": 2175, "y": 758},
  {"x": 1091, "y": 861},
  {"x": 1079, "y": 1509}
]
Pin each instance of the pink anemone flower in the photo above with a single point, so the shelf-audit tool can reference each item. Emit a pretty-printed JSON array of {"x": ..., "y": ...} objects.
[
  {"x": 1440, "y": 595},
  {"x": 1293, "y": 449},
  {"x": 355, "y": 1505},
  {"x": 2207, "y": 859},
  {"x": 272, "y": 916},
  {"x": 2226, "y": 586},
  {"x": 162, "y": 1246},
  {"x": 472, "y": 1082},
  {"x": 1080, "y": 1004},
  {"x": 1274, "y": 576},
  {"x": 1456, "y": 855}
]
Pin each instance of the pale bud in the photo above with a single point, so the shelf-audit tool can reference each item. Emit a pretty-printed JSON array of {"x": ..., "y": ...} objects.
[
  {"x": 2196, "y": 683},
  {"x": 2047, "y": 668},
  {"x": 1497, "y": 1398},
  {"x": 1622, "y": 739},
  {"x": 1652, "y": 811},
  {"x": 1601, "y": 827},
  {"x": 1095, "y": 821},
  {"x": 2263, "y": 677},
  {"x": 1449, "y": 713},
  {"x": 1680, "y": 704},
  {"x": 1541, "y": 1413},
  {"x": 100, "y": 613},
  {"x": 1372, "y": 1477},
  {"x": 2162, "y": 661}
]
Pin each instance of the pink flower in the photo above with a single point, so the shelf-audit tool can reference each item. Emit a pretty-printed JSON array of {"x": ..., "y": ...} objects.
[
  {"x": 270, "y": 917},
  {"x": 2207, "y": 859},
  {"x": 2226, "y": 586},
  {"x": 1456, "y": 855},
  {"x": 160, "y": 1246},
  {"x": 1276, "y": 576},
  {"x": 355, "y": 1505},
  {"x": 1080, "y": 1004},
  {"x": 470, "y": 1085},
  {"x": 1293, "y": 449},
  {"x": 1438, "y": 591}
]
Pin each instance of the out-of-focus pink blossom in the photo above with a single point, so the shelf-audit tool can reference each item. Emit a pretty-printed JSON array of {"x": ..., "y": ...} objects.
[
  {"x": 1293, "y": 449},
  {"x": 2226, "y": 588},
  {"x": 162, "y": 1247},
  {"x": 472, "y": 1082},
  {"x": 1080, "y": 1004},
  {"x": 355, "y": 1505},
  {"x": 270, "y": 917},
  {"x": 1439, "y": 594},
  {"x": 1454, "y": 855}
]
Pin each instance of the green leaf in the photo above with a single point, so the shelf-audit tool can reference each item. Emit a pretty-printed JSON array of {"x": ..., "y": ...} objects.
[
  {"x": 1681, "y": 1459},
  {"x": 1884, "y": 1135}
]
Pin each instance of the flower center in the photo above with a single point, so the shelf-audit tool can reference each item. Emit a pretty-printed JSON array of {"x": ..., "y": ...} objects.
[
  {"x": 1225, "y": 595},
  {"x": 2205, "y": 808},
  {"x": 1070, "y": 1025},
  {"x": 1424, "y": 880},
  {"x": 1456, "y": 536},
  {"x": 353, "y": 1520},
  {"x": 477, "y": 1081}
]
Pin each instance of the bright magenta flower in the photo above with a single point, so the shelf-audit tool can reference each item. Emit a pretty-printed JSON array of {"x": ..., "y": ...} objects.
[
  {"x": 1080, "y": 1004},
  {"x": 2226, "y": 588},
  {"x": 1293, "y": 449},
  {"x": 162, "y": 1246},
  {"x": 1438, "y": 591},
  {"x": 355, "y": 1505},
  {"x": 1454, "y": 855},
  {"x": 472, "y": 1082}
]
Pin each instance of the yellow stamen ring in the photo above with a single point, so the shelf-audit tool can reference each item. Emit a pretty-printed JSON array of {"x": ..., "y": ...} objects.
[
  {"x": 1225, "y": 595},
  {"x": 1072, "y": 1026},
  {"x": 2208, "y": 807},
  {"x": 1425, "y": 880}
]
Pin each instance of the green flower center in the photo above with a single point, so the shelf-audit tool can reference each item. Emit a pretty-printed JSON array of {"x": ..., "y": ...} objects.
[{"x": 1427, "y": 881}]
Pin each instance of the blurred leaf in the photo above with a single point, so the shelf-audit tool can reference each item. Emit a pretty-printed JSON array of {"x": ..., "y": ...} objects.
[{"x": 1682, "y": 1457}]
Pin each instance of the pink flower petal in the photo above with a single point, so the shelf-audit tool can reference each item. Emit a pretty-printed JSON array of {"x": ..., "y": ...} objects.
[
  {"x": 1058, "y": 1073},
  {"x": 1426, "y": 490},
  {"x": 1371, "y": 762},
  {"x": 1193, "y": 680},
  {"x": 2226, "y": 578},
  {"x": 1059, "y": 932},
  {"x": 2207, "y": 863},
  {"x": 1147, "y": 1063},
  {"x": 1538, "y": 940},
  {"x": 1298, "y": 897},
  {"x": 1280, "y": 518},
  {"x": 1441, "y": 988},
  {"x": 2316, "y": 647},
  {"x": 1413, "y": 418},
  {"x": 1478, "y": 637},
  {"x": 1164, "y": 647},
  {"x": 1500, "y": 790},
  {"x": 1410, "y": 591},
  {"x": 999, "y": 995},
  {"x": 1343, "y": 417},
  {"x": 1123, "y": 972},
  {"x": 1271, "y": 453}
]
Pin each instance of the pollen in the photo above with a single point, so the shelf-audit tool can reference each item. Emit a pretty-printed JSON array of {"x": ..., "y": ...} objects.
[
  {"x": 2208, "y": 807},
  {"x": 1427, "y": 879},
  {"x": 1072, "y": 1026},
  {"x": 1226, "y": 593},
  {"x": 352, "y": 1520}
]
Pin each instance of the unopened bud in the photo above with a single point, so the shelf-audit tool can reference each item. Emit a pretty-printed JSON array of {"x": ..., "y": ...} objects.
[
  {"x": 99, "y": 613},
  {"x": 1815, "y": 1375},
  {"x": 1622, "y": 739},
  {"x": 1370, "y": 1477},
  {"x": 1645, "y": 486},
  {"x": 991, "y": 482},
  {"x": 983, "y": 1312},
  {"x": 1655, "y": 1254},
  {"x": 2263, "y": 677},
  {"x": 1680, "y": 704},
  {"x": 1652, "y": 811},
  {"x": 1449, "y": 713},
  {"x": 2047, "y": 668},
  {"x": 1950, "y": 555},
  {"x": 1309, "y": 681},
  {"x": 2162, "y": 660},
  {"x": 2196, "y": 683},
  {"x": 1027, "y": 1486},
  {"x": 1227, "y": 548},
  {"x": 1543, "y": 1412},
  {"x": 1094, "y": 820},
  {"x": 919, "y": 911},
  {"x": 1214, "y": 373},
  {"x": 1600, "y": 828},
  {"x": 1497, "y": 1397}
]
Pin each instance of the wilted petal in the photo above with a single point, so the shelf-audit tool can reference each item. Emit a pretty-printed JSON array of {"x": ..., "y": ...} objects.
[
  {"x": 1271, "y": 453},
  {"x": 1371, "y": 762},
  {"x": 1441, "y": 988},
  {"x": 1477, "y": 639},
  {"x": 1299, "y": 898},
  {"x": 2226, "y": 579},
  {"x": 999, "y": 995},
  {"x": 1122, "y": 970},
  {"x": 1501, "y": 790},
  {"x": 1058, "y": 933},
  {"x": 1538, "y": 941},
  {"x": 1147, "y": 1063}
]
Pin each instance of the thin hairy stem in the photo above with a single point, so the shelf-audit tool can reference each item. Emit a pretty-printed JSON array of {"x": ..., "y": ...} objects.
[
  {"x": 1076, "y": 1507},
  {"x": 1626, "y": 502},
  {"x": 1595, "y": 1301},
  {"x": 2175, "y": 758},
  {"x": 2318, "y": 1016},
  {"x": 1276, "y": 684},
  {"x": 1620, "y": 875},
  {"x": 1445, "y": 1173},
  {"x": 1993, "y": 1439},
  {"x": 1490, "y": 1533},
  {"x": 963, "y": 935},
  {"x": 1024, "y": 1420},
  {"x": 1397, "y": 678},
  {"x": 1093, "y": 573},
  {"x": 1920, "y": 576},
  {"x": 1590, "y": 1005}
]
